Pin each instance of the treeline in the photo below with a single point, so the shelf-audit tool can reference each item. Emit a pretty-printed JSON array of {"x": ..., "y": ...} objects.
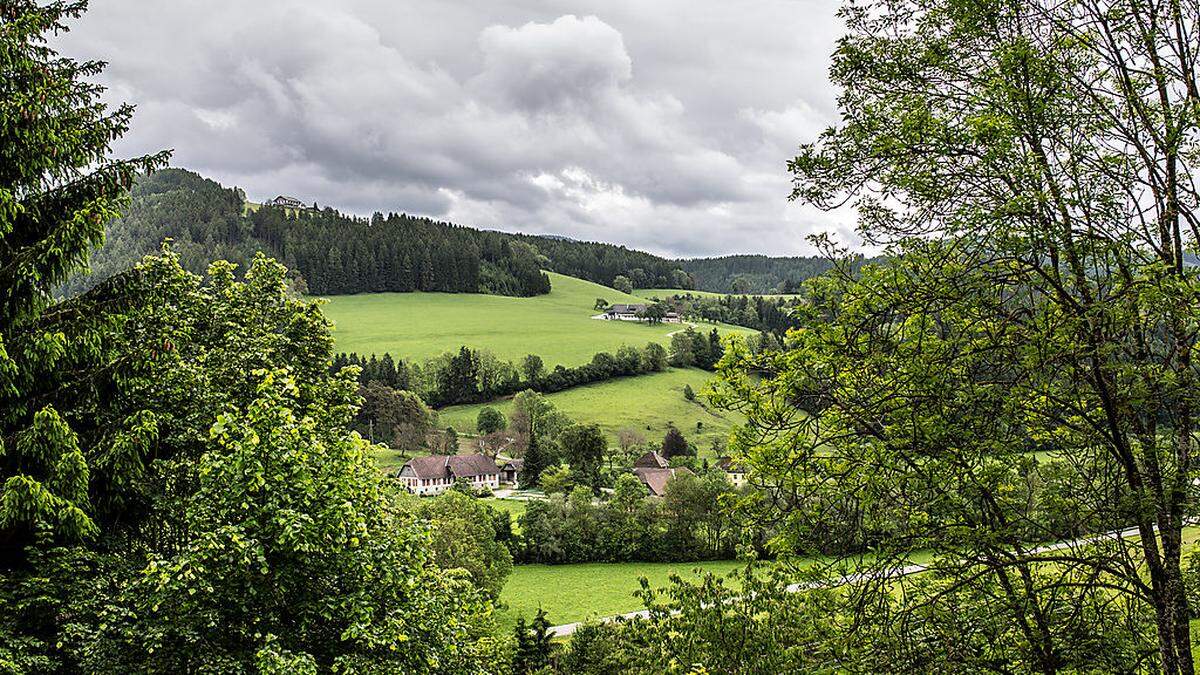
[
  {"x": 684, "y": 525},
  {"x": 202, "y": 218},
  {"x": 340, "y": 254},
  {"x": 477, "y": 375},
  {"x": 754, "y": 273},
  {"x": 602, "y": 263},
  {"x": 334, "y": 253},
  {"x": 766, "y": 314}
]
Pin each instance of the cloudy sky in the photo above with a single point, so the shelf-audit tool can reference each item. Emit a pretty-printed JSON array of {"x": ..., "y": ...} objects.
[{"x": 661, "y": 125}]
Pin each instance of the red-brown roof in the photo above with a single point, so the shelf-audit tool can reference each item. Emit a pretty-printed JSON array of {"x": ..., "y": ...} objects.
[
  {"x": 452, "y": 466},
  {"x": 731, "y": 465},
  {"x": 656, "y": 479},
  {"x": 652, "y": 460}
]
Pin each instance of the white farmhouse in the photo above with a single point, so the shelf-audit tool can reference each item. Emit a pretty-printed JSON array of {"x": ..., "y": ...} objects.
[{"x": 434, "y": 474}]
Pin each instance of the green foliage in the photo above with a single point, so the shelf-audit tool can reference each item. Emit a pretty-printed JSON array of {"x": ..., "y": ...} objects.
[
  {"x": 1029, "y": 168},
  {"x": 674, "y": 444},
  {"x": 336, "y": 253},
  {"x": 533, "y": 645},
  {"x": 532, "y": 367},
  {"x": 57, "y": 189},
  {"x": 756, "y": 274},
  {"x": 230, "y": 501},
  {"x": 748, "y": 622},
  {"x": 490, "y": 420},
  {"x": 537, "y": 458},
  {"x": 689, "y": 523},
  {"x": 622, "y": 284},
  {"x": 583, "y": 447},
  {"x": 464, "y": 536},
  {"x": 398, "y": 418},
  {"x": 556, "y": 480}
]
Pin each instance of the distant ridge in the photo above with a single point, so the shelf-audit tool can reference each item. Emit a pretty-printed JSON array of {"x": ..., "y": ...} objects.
[{"x": 331, "y": 253}]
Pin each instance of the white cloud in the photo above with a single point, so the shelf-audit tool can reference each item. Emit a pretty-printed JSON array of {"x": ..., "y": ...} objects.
[{"x": 663, "y": 126}]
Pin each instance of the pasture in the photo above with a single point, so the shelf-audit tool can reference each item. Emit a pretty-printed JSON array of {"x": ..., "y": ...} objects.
[
  {"x": 557, "y": 326},
  {"x": 572, "y": 593},
  {"x": 644, "y": 403}
]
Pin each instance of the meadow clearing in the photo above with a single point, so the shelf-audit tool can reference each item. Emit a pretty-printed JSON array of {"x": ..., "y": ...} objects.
[
  {"x": 644, "y": 403},
  {"x": 557, "y": 326},
  {"x": 572, "y": 593}
]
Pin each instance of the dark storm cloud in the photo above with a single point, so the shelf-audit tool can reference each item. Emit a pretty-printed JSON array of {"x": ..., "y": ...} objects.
[{"x": 662, "y": 126}]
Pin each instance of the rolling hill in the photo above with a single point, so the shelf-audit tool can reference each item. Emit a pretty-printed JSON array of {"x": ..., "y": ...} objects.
[
  {"x": 645, "y": 404},
  {"x": 556, "y": 326}
]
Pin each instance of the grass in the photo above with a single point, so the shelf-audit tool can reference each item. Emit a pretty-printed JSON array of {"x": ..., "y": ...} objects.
[
  {"x": 557, "y": 326},
  {"x": 644, "y": 403},
  {"x": 513, "y": 506},
  {"x": 572, "y": 593}
]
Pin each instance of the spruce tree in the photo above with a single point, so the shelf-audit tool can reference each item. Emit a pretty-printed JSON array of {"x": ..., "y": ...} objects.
[
  {"x": 58, "y": 188},
  {"x": 540, "y": 641},
  {"x": 536, "y": 460},
  {"x": 523, "y": 653},
  {"x": 674, "y": 444}
]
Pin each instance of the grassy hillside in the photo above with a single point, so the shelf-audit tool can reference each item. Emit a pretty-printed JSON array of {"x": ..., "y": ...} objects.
[
  {"x": 645, "y": 403},
  {"x": 556, "y": 326}
]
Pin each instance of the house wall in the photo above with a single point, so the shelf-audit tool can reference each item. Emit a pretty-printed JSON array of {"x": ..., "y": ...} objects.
[{"x": 436, "y": 486}]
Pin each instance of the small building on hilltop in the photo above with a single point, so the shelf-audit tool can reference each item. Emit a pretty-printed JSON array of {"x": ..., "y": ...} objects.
[
  {"x": 656, "y": 479},
  {"x": 434, "y": 474},
  {"x": 651, "y": 460},
  {"x": 287, "y": 202}
]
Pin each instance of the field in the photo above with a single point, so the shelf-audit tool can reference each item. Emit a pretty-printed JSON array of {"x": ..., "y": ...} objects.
[
  {"x": 572, "y": 593},
  {"x": 644, "y": 403},
  {"x": 556, "y": 326}
]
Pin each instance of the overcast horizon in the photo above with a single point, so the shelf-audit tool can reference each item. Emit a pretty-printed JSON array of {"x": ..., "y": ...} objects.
[{"x": 657, "y": 126}]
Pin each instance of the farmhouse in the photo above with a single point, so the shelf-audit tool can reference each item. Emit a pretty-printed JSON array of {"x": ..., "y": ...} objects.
[
  {"x": 632, "y": 312},
  {"x": 656, "y": 479},
  {"x": 287, "y": 202},
  {"x": 734, "y": 471},
  {"x": 651, "y": 460},
  {"x": 623, "y": 312},
  {"x": 434, "y": 474},
  {"x": 510, "y": 472}
]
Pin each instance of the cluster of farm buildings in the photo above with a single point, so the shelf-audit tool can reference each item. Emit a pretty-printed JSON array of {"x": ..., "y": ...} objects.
[
  {"x": 634, "y": 312},
  {"x": 434, "y": 474}
]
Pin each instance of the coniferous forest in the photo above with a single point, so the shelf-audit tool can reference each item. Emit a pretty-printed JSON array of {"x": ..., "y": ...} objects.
[{"x": 332, "y": 253}]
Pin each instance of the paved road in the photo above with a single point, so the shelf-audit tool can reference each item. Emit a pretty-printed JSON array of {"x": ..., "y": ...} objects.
[{"x": 567, "y": 629}]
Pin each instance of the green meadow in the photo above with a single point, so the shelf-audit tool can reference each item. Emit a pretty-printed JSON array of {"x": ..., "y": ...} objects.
[
  {"x": 644, "y": 403},
  {"x": 557, "y": 326},
  {"x": 572, "y": 593}
]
